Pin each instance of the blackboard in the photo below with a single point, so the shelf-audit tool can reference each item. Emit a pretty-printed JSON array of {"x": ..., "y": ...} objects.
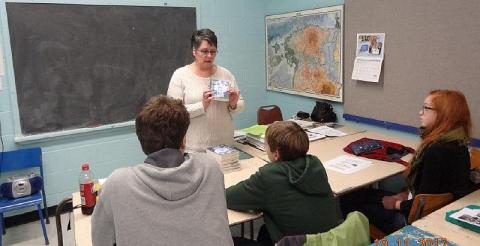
[
  {"x": 429, "y": 44},
  {"x": 80, "y": 66}
]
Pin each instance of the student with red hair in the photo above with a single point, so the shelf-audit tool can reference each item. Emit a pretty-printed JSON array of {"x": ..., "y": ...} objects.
[{"x": 441, "y": 163}]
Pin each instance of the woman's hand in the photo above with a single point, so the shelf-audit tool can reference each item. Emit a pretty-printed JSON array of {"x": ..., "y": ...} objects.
[
  {"x": 234, "y": 94},
  {"x": 207, "y": 99}
]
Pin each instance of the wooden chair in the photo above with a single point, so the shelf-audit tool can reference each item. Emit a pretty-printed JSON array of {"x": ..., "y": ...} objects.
[
  {"x": 423, "y": 204},
  {"x": 474, "y": 158},
  {"x": 268, "y": 114}
]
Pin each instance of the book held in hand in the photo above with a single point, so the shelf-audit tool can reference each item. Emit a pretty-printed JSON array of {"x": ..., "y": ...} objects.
[{"x": 220, "y": 89}]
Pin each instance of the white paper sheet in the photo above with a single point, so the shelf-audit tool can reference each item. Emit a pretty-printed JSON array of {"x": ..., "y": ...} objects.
[
  {"x": 327, "y": 131},
  {"x": 303, "y": 123},
  {"x": 366, "y": 69},
  {"x": 315, "y": 136},
  {"x": 347, "y": 164}
]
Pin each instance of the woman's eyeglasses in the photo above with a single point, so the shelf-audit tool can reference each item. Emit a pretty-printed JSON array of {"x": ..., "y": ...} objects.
[
  {"x": 206, "y": 52},
  {"x": 426, "y": 108}
]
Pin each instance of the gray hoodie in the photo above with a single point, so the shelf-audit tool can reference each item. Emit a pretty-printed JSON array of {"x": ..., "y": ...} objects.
[{"x": 174, "y": 200}]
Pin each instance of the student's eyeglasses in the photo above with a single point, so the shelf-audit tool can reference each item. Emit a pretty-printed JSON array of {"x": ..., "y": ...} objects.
[
  {"x": 426, "y": 108},
  {"x": 205, "y": 52}
]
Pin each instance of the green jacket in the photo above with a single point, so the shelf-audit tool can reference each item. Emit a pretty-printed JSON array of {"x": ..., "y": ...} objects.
[
  {"x": 354, "y": 231},
  {"x": 294, "y": 196}
]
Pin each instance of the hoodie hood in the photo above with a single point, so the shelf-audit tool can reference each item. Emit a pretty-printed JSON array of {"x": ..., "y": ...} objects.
[
  {"x": 304, "y": 172},
  {"x": 170, "y": 174}
]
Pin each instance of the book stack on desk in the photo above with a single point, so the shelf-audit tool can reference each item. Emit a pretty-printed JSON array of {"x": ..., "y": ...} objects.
[
  {"x": 226, "y": 156},
  {"x": 256, "y": 140},
  {"x": 256, "y": 136}
]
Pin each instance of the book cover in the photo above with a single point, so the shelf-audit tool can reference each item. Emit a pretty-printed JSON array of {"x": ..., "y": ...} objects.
[
  {"x": 467, "y": 217},
  {"x": 220, "y": 89},
  {"x": 223, "y": 150}
]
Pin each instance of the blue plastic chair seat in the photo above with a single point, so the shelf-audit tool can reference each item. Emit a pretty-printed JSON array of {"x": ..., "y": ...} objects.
[
  {"x": 17, "y": 160},
  {"x": 21, "y": 202}
]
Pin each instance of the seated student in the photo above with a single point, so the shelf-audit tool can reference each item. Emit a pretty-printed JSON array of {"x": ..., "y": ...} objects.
[
  {"x": 292, "y": 191},
  {"x": 440, "y": 165},
  {"x": 171, "y": 199}
]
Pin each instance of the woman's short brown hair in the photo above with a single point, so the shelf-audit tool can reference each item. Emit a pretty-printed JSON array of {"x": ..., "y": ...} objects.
[
  {"x": 288, "y": 138},
  {"x": 201, "y": 35},
  {"x": 162, "y": 123}
]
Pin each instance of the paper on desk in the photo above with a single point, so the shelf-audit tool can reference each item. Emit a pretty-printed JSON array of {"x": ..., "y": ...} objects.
[
  {"x": 101, "y": 181},
  {"x": 303, "y": 123},
  {"x": 327, "y": 131},
  {"x": 314, "y": 136},
  {"x": 347, "y": 164},
  {"x": 239, "y": 135}
]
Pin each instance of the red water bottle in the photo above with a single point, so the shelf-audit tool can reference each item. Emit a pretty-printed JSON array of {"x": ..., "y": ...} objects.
[{"x": 87, "y": 192}]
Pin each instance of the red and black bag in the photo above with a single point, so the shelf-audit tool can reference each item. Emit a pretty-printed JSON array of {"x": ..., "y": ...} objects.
[{"x": 379, "y": 150}]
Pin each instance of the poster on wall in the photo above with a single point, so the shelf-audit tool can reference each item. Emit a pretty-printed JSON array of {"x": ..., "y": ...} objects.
[
  {"x": 369, "y": 57},
  {"x": 304, "y": 53}
]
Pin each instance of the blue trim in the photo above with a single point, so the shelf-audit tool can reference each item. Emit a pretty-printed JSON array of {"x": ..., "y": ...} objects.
[{"x": 395, "y": 126}]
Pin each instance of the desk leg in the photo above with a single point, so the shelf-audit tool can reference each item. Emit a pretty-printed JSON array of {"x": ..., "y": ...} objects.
[
  {"x": 251, "y": 229},
  {"x": 242, "y": 229}
]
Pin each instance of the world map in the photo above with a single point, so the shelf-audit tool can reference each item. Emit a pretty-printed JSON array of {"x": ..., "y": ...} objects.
[{"x": 304, "y": 53}]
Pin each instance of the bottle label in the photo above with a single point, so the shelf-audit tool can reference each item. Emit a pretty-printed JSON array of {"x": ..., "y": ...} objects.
[{"x": 87, "y": 195}]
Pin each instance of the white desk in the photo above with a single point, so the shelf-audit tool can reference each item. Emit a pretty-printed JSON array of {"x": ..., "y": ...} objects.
[
  {"x": 436, "y": 224},
  {"x": 82, "y": 223},
  {"x": 330, "y": 148},
  {"x": 379, "y": 170}
]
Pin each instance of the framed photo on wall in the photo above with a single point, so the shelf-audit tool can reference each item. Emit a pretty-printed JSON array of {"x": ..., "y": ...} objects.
[{"x": 304, "y": 53}]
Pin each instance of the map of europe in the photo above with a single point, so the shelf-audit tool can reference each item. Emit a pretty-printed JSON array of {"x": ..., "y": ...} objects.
[{"x": 304, "y": 53}]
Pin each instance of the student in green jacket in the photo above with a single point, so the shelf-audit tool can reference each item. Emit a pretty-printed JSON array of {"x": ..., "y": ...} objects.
[{"x": 292, "y": 191}]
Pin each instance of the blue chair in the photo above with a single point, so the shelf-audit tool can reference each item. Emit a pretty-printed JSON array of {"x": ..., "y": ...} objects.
[{"x": 18, "y": 160}]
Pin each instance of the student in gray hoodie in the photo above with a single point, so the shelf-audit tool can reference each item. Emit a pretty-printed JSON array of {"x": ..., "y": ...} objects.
[{"x": 171, "y": 199}]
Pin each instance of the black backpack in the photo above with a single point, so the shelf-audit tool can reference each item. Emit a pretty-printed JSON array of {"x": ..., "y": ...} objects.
[{"x": 323, "y": 112}]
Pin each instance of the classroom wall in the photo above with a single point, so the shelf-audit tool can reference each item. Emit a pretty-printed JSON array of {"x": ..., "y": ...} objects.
[
  {"x": 291, "y": 104},
  {"x": 239, "y": 26}
]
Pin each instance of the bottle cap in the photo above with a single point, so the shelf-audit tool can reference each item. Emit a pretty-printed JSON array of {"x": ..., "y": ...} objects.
[{"x": 85, "y": 167}]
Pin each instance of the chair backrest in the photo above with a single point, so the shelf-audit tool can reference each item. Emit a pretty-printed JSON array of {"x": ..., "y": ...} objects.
[
  {"x": 268, "y": 114},
  {"x": 424, "y": 204},
  {"x": 474, "y": 158},
  {"x": 64, "y": 205},
  {"x": 20, "y": 159}
]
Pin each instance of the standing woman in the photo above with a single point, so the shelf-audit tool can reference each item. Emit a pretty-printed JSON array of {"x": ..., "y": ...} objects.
[
  {"x": 440, "y": 165},
  {"x": 210, "y": 121}
]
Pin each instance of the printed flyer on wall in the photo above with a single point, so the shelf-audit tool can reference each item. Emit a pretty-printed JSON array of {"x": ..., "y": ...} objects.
[{"x": 369, "y": 57}]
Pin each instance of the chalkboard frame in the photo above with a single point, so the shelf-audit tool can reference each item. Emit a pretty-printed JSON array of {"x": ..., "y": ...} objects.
[{"x": 10, "y": 84}]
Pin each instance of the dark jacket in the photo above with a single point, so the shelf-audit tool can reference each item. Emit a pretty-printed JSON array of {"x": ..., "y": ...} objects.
[
  {"x": 294, "y": 196},
  {"x": 444, "y": 167}
]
